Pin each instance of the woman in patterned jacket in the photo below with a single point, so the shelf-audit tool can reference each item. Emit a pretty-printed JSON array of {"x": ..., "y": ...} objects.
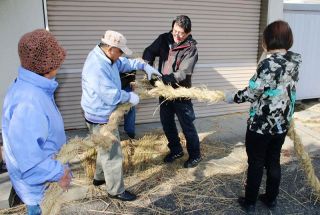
[{"x": 272, "y": 94}]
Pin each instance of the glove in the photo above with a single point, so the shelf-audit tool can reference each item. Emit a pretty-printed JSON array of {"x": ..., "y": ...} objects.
[
  {"x": 169, "y": 79},
  {"x": 134, "y": 98},
  {"x": 229, "y": 97},
  {"x": 153, "y": 81},
  {"x": 151, "y": 71}
]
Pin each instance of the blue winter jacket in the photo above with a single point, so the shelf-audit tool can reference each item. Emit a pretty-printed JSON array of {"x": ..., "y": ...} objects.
[
  {"x": 33, "y": 132},
  {"x": 101, "y": 84}
]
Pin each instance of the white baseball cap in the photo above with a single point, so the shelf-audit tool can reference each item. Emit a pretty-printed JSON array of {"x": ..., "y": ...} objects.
[{"x": 115, "y": 39}]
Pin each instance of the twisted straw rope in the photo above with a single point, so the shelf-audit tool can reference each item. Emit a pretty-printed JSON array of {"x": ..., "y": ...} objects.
[
  {"x": 304, "y": 159},
  {"x": 199, "y": 93},
  {"x": 105, "y": 138}
]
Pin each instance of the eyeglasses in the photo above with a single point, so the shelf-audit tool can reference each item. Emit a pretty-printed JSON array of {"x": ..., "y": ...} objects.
[{"x": 178, "y": 33}]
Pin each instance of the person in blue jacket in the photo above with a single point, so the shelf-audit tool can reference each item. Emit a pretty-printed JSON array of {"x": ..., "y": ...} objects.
[
  {"x": 32, "y": 126},
  {"x": 101, "y": 94}
]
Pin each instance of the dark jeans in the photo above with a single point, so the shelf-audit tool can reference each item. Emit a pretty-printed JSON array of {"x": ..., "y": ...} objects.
[
  {"x": 184, "y": 111},
  {"x": 130, "y": 118},
  {"x": 130, "y": 121},
  {"x": 263, "y": 151},
  {"x": 34, "y": 210}
]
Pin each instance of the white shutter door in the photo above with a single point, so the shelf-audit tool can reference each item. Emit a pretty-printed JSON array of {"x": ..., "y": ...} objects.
[
  {"x": 227, "y": 32},
  {"x": 306, "y": 18}
]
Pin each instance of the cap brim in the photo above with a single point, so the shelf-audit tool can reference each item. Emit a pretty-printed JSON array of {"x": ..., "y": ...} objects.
[{"x": 126, "y": 50}]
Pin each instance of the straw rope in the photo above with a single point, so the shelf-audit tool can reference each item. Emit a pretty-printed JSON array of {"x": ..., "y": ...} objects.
[
  {"x": 85, "y": 149},
  {"x": 201, "y": 94},
  {"x": 304, "y": 159}
]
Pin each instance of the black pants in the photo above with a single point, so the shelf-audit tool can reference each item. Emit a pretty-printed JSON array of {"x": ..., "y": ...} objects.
[
  {"x": 184, "y": 111},
  {"x": 263, "y": 151}
]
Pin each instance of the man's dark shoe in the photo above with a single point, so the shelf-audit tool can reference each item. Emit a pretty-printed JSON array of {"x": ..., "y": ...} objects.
[
  {"x": 169, "y": 158},
  {"x": 269, "y": 203},
  {"x": 247, "y": 206},
  {"x": 192, "y": 162},
  {"x": 3, "y": 167},
  {"x": 131, "y": 135},
  {"x": 125, "y": 196},
  {"x": 98, "y": 182},
  {"x": 14, "y": 199}
]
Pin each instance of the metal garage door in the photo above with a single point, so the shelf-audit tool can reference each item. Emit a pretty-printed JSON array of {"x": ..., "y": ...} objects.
[{"x": 227, "y": 32}]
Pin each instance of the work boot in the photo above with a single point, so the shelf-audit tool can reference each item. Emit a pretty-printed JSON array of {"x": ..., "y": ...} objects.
[
  {"x": 249, "y": 207},
  {"x": 14, "y": 199},
  {"x": 169, "y": 158},
  {"x": 192, "y": 162},
  {"x": 3, "y": 167},
  {"x": 96, "y": 182},
  {"x": 125, "y": 196},
  {"x": 271, "y": 204},
  {"x": 131, "y": 135}
]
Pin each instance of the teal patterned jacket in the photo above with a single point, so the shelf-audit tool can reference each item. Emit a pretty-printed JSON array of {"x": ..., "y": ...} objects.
[{"x": 272, "y": 93}]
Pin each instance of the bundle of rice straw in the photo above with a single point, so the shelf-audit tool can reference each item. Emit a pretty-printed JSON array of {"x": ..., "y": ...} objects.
[
  {"x": 83, "y": 149},
  {"x": 200, "y": 94}
]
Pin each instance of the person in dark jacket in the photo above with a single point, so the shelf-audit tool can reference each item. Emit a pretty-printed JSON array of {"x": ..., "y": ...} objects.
[
  {"x": 272, "y": 94},
  {"x": 178, "y": 55}
]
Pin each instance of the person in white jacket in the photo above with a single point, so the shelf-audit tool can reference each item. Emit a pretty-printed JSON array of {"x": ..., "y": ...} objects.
[
  {"x": 101, "y": 93},
  {"x": 32, "y": 126}
]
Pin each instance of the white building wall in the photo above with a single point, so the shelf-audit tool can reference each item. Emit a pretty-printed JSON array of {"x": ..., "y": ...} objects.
[
  {"x": 304, "y": 20},
  {"x": 16, "y": 18},
  {"x": 275, "y": 10}
]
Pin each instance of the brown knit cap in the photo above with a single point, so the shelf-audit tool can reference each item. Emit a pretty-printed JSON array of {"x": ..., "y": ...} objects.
[{"x": 40, "y": 52}]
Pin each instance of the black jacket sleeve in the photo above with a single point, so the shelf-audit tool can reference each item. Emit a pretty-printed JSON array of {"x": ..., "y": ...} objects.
[
  {"x": 127, "y": 78},
  {"x": 153, "y": 51}
]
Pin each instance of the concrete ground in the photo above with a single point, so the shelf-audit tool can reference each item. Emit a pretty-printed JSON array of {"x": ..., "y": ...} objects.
[{"x": 227, "y": 129}]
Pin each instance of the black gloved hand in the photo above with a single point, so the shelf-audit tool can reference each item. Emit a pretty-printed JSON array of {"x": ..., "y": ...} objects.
[
  {"x": 169, "y": 79},
  {"x": 127, "y": 78},
  {"x": 153, "y": 81}
]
